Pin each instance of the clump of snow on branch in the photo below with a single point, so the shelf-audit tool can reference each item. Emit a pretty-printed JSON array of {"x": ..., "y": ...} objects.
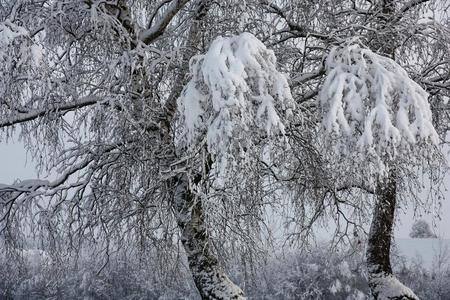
[
  {"x": 8, "y": 32},
  {"x": 29, "y": 49},
  {"x": 235, "y": 87},
  {"x": 371, "y": 100}
]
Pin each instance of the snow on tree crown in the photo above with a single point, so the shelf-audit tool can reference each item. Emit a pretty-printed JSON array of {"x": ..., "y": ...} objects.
[
  {"x": 233, "y": 87},
  {"x": 371, "y": 98}
]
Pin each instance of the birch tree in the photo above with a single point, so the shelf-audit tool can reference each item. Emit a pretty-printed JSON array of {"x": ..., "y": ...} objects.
[
  {"x": 391, "y": 103},
  {"x": 88, "y": 82},
  {"x": 369, "y": 101},
  {"x": 386, "y": 27}
]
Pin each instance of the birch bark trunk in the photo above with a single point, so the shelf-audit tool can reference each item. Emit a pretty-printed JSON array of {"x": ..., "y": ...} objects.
[{"x": 210, "y": 279}]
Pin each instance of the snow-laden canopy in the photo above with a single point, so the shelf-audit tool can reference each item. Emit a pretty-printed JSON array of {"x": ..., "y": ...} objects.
[
  {"x": 234, "y": 87},
  {"x": 370, "y": 99}
]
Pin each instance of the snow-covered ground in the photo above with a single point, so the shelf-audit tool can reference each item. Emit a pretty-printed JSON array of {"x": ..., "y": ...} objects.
[{"x": 426, "y": 250}]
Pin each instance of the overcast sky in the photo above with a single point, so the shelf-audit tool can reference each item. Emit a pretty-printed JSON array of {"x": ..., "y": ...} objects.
[{"x": 16, "y": 165}]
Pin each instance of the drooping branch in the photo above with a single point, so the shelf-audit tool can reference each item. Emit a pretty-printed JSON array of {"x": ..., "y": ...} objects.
[{"x": 79, "y": 158}]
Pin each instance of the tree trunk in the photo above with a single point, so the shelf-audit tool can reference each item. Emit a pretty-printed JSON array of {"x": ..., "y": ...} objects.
[
  {"x": 382, "y": 282},
  {"x": 210, "y": 279}
]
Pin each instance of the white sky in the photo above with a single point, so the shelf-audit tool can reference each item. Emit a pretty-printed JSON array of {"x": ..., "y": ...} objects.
[{"x": 14, "y": 164}]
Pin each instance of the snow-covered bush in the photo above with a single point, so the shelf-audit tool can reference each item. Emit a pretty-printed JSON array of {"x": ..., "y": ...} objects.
[
  {"x": 421, "y": 229},
  {"x": 316, "y": 274},
  {"x": 319, "y": 273},
  {"x": 118, "y": 280},
  {"x": 429, "y": 283}
]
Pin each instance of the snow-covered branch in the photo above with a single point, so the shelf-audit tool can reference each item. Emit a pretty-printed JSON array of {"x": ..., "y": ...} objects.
[
  {"x": 294, "y": 27},
  {"x": 409, "y": 5},
  {"x": 59, "y": 108},
  {"x": 157, "y": 29},
  {"x": 83, "y": 162}
]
